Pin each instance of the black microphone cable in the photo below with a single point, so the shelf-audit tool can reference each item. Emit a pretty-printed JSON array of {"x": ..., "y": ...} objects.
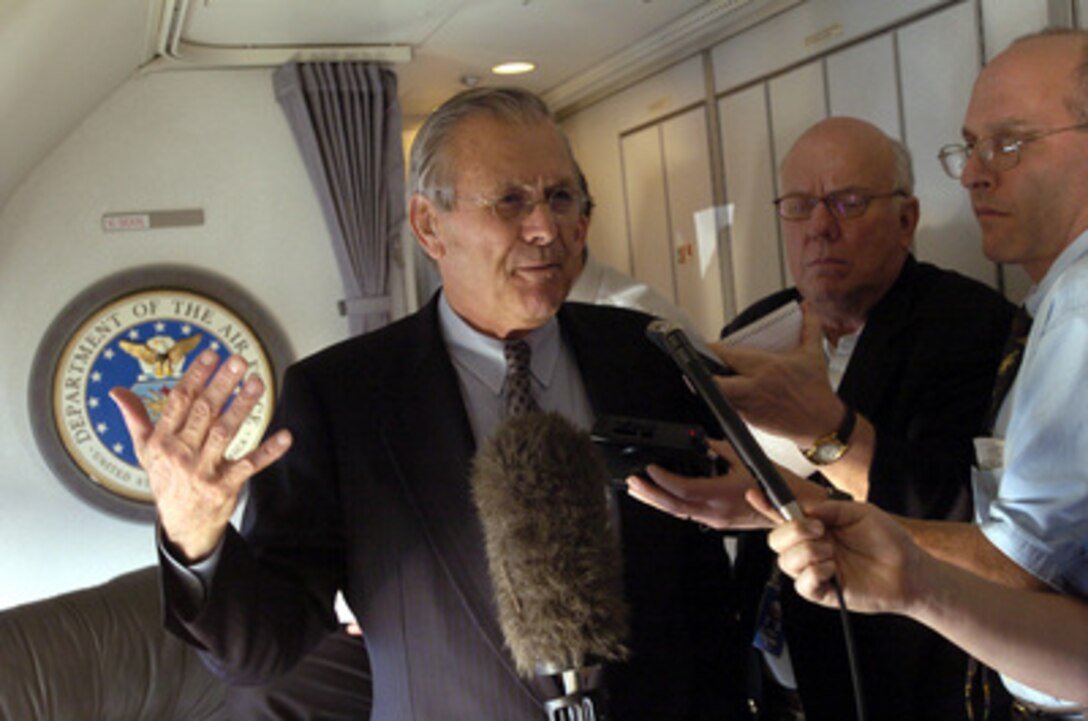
[
  {"x": 851, "y": 653},
  {"x": 670, "y": 338}
]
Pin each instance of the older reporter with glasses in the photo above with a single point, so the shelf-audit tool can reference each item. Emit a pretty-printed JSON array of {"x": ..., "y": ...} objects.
[{"x": 880, "y": 402}]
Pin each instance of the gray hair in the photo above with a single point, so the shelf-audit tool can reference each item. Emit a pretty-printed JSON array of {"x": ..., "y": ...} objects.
[
  {"x": 904, "y": 167},
  {"x": 431, "y": 173}
]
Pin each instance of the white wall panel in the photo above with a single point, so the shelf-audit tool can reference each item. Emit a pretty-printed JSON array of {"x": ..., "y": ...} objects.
[
  {"x": 797, "y": 101},
  {"x": 754, "y": 249},
  {"x": 647, "y": 211},
  {"x": 811, "y": 28},
  {"x": 695, "y": 248},
  {"x": 1005, "y": 20},
  {"x": 938, "y": 69},
  {"x": 211, "y": 140},
  {"x": 595, "y": 137},
  {"x": 862, "y": 82}
]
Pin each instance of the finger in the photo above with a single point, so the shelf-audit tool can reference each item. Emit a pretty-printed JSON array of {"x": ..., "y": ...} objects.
[
  {"x": 657, "y": 497},
  {"x": 834, "y": 514},
  {"x": 223, "y": 384},
  {"x": 815, "y": 584},
  {"x": 205, "y": 406},
  {"x": 757, "y": 499},
  {"x": 812, "y": 332},
  {"x": 226, "y": 426},
  {"x": 738, "y": 389},
  {"x": 727, "y": 453},
  {"x": 719, "y": 348},
  {"x": 134, "y": 414},
  {"x": 176, "y": 411},
  {"x": 271, "y": 450},
  {"x": 795, "y": 533},
  {"x": 794, "y": 559},
  {"x": 743, "y": 360},
  {"x": 692, "y": 489}
]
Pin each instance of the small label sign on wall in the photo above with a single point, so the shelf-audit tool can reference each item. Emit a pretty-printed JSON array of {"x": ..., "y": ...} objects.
[{"x": 149, "y": 219}]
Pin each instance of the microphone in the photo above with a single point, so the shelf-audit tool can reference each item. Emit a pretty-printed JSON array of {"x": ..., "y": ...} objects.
[
  {"x": 540, "y": 488},
  {"x": 672, "y": 339}
]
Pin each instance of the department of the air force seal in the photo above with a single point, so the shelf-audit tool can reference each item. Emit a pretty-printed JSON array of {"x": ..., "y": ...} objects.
[{"x": 142, "y": 340}]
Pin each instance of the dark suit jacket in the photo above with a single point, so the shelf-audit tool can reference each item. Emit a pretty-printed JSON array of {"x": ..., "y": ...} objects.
[
  {"x": 374, "y": 499},
  {"x": 922, "y": 373}
]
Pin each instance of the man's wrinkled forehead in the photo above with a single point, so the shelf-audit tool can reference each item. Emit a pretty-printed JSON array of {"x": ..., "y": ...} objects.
[
  {"x": 836, "y": 162},
  {"x": 510, "y": 152},
  {"x": 1028, "y": 85}
]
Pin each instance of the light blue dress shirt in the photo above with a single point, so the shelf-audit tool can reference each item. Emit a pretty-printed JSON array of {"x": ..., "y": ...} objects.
[
  {"x": 1035, "y": 508},
  {"x": 481, "y": 371}
]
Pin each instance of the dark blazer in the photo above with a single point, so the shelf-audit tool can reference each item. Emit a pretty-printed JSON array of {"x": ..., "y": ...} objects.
[
  {"x": 922, "y": 373},
  {"x": 374, "y": 499}
]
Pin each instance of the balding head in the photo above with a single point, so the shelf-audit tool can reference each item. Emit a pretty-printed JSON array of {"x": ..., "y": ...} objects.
[
  {"x": 861, "y": 137},
  {"x": 843, "y": 266}
]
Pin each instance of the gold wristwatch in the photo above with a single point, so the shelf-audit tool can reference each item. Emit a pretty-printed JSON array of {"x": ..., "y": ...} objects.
[{"x": 830, "y": 448}]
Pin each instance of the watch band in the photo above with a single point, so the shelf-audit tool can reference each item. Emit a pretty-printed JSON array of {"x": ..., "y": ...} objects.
[{"x": 846, "y": 428}]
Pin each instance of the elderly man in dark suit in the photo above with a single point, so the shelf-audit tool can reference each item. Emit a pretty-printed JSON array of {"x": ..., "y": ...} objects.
[
  {"x": 884, "y": 396},
  {"x": 373, "y": 498}
]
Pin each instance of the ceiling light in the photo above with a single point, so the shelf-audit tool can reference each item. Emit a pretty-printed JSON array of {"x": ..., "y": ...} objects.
[{"x": 517, "y": 67}]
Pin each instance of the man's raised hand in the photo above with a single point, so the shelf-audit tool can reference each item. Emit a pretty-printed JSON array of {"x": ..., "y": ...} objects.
[{"x": 196, "y": 488}]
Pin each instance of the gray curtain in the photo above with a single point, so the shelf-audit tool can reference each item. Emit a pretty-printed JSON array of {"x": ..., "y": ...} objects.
[{"x": 346, "y": 120}]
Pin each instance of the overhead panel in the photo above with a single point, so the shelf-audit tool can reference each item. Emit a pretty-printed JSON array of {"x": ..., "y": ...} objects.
[
  {"x": 234, "y": 33},
  {"x": 315, "y": 22}
]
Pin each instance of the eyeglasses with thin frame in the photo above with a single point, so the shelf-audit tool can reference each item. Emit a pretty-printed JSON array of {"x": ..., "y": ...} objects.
[
  {"x": 843, "y": 204},
  {"x": 995, "y": 153},
  {"x": 518, "y": 203}
]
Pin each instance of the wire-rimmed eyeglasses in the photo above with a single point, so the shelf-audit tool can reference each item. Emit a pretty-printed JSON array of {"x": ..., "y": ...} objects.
[
  {"x": 517, "y": 203},
  {"x": 996, "y": 153},
  {"x": 843, "y": 204}
]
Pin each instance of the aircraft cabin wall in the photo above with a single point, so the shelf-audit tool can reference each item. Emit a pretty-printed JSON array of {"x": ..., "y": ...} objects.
[
  {"x": 684, "y": 164},
  {"x": 263, "y": 230}
]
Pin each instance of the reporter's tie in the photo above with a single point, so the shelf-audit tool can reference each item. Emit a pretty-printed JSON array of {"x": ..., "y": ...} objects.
[{"x": 1011, "y": 356}]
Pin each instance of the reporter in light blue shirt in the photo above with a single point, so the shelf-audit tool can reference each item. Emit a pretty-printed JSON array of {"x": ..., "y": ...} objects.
[{"x": 1034, "y": 509}]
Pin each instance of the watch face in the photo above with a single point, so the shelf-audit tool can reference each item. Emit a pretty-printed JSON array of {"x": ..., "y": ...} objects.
[{"x": 827, "y": 452}]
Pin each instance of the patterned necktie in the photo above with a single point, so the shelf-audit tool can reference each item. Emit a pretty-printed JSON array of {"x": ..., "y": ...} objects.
[
  {"x": 1011, "y": 356},
  {"x": 519, "y": 387}
]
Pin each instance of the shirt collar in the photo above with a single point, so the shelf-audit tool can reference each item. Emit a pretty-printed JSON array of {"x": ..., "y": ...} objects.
[
  {"x": 1066, "y": 258},
  {"x": 482, "y": 355},
  {"x": 838, "y": 356}
]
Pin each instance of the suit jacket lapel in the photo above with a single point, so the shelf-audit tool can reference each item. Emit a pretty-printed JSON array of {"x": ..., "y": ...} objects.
[
  {"x": 429, "y": 437},
  {"x": 594, "y": 364},
  {"x": 880, "y": 349}
]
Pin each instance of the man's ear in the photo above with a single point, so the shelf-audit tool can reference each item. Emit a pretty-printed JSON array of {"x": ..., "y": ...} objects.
[
  {"x": 908, "y": 219},
  {"x": 582, "y": 231},
  {"x": 424, "y": 219}
]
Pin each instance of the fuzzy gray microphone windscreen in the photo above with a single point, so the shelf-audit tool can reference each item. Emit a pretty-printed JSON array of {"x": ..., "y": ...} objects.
[{"x": 539, "y": 485}]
